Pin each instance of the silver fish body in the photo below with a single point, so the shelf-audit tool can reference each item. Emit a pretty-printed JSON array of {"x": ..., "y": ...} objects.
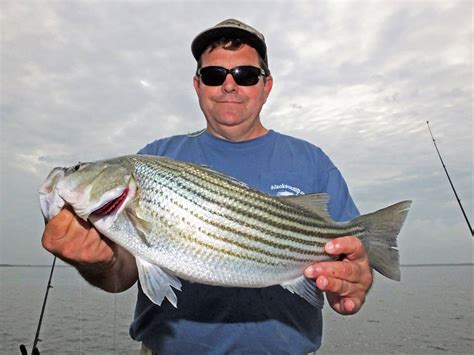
[{"x": 185, "y": 220}]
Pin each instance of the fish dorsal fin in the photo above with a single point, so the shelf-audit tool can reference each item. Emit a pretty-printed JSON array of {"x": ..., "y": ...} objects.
[
  {"x": 156, "y": 282},
  {"x": 196, "y": 133},
  {"x": 220, "y": 175},
  {"x": 316, "y": 203},
  {"x": 306, "y": 288}
]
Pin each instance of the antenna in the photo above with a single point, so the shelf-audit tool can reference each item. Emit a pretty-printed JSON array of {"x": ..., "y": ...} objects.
[{"x": 450, "y": 182}]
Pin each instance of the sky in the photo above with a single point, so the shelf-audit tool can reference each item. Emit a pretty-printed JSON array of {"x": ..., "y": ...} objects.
[{"x": 88, "y": 80}]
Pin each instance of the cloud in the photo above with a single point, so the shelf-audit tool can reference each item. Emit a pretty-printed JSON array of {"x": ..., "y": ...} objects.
[{"x": 87, "y": 80}]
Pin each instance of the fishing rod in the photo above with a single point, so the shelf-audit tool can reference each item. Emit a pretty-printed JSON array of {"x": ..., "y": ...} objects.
[
  {"x": 35, "y": 350},
  {"x": 451, "y": 183}
]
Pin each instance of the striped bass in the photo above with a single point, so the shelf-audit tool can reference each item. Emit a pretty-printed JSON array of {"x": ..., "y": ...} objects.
[{"x": 184, "y": 220}]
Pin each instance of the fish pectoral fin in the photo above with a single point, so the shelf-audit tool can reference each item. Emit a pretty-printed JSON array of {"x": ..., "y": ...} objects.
[
  {"x": 143, "y": 227},
  {"x": 156, "y": 283},
  {"x": 316, "y": 203},
  {"x": 306, "y": 288}
]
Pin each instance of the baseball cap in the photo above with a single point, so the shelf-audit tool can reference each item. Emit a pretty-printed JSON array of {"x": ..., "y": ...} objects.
[{"x": 230, "y": 28}]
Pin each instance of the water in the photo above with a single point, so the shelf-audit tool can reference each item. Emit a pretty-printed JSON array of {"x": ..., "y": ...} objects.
[
  {"x": 79, "y": 319},
  {"x": 429, "y": 312}
]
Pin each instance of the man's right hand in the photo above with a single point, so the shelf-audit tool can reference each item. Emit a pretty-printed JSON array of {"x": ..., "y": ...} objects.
[
  {"x": 76, "y": 241},
  {"x": 99, "y": 260}
]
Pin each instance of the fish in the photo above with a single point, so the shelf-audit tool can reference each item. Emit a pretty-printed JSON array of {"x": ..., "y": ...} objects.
[{"x": 186, "y": 221}]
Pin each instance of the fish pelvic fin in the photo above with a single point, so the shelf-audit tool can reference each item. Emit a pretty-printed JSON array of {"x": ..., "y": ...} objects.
[
  {"x": 380, "y": 237},
  {"x": 156, "y": 282},
  {"x": 306, "y": 288}
]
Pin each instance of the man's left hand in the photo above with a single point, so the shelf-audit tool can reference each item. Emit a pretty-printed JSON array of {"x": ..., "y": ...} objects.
[{"x": 346, "y": 281}]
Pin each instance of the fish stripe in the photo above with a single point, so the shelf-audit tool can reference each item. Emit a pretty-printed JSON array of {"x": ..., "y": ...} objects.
[
  {"x": 251, "y": 253},
  {"x": 208, "y": 180},
  {"x": 238, "y": 233},
  {"x": 247, "y": 203},
  {"x": 259, "y": 223}
]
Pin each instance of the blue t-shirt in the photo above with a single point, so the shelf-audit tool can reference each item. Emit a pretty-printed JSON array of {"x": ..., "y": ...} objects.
[{"x": 221, "y": 320}]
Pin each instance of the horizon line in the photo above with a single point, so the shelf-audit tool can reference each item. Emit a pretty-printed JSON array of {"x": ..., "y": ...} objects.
[{"x": 401, "y": 265}]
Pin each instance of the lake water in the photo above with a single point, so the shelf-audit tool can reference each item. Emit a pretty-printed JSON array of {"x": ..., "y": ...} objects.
[{"x": 429, "y": 312}]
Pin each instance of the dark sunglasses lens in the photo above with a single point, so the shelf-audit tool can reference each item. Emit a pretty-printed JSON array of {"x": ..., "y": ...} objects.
[
  {"x": 213, "y": 76},
  {"x": 246, "y": 75}
]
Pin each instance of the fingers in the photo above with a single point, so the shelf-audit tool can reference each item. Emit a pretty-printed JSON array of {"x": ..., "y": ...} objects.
[
  {"x": 350, "y": 246},
  {"x": 344, "y": 306},
  {"x": 346, "y": 281},
  {"x": 342, "y": 287},
  {"x": 344, "y": 270},
  {"x": 354, "y": 267},
  {"x": 343, "y": 296}
]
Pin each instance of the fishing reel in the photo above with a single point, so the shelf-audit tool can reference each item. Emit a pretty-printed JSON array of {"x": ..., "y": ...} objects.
[{"x": 23, "y": 350}]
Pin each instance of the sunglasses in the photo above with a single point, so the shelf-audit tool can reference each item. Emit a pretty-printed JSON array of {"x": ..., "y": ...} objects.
[{"x": 244, "y": 75}]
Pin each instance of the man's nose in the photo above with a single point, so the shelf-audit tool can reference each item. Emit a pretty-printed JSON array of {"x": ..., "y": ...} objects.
[{"x": 229, "y": 84}]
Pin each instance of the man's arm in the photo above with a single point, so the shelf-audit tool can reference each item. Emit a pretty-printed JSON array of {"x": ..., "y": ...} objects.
[
  {"x": 346, "y": 282},
  {"x": 100, "y": 261}
]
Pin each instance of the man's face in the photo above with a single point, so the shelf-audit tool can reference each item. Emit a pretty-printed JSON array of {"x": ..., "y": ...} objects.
[{"x": 230, "y": 106}]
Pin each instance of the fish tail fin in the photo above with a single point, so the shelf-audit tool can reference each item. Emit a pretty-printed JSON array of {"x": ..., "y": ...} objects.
[{"x": 380, "y": 237}]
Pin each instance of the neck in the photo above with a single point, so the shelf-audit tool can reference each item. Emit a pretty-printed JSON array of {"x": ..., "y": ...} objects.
[{"x": 237, "y": 133}]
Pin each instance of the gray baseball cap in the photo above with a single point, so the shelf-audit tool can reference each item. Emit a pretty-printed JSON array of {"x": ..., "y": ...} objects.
[{"x": 230, "y": 28}]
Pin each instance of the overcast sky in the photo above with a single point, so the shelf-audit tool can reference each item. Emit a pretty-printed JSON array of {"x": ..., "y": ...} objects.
[{"x": 86, "y": 80}]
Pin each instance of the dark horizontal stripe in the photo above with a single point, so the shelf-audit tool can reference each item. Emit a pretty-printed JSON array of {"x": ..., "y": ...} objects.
[
  {"x": 253, "y": 238},
  {"x": 181, "y": 187},
  {"x": 242, "y": 194},
  {"x": 222, "y": 193},
  {"x": 210, "y": 247},
  {"x": 246, "y": 217}
]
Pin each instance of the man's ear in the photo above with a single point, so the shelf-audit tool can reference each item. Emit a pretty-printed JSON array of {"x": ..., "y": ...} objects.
[
  {"x": 268, "y": 86},
  {"x": 196, "y": 83}
]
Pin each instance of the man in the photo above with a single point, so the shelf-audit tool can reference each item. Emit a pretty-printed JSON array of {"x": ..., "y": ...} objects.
[{"x": 232, "y": 83}]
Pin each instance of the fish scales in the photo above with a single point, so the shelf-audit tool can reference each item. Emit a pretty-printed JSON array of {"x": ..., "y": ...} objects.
[
  {"x": 239, "y": 235},
  {"x": 202, "y": 222},
  {"x": 232, "y": 243},
  {"x": 244, "y": 205},
  {"x": 212, "y": 184},
  {"x": 250, "y": 198},
  {"x": 181, "y": 219},
  {"x": 236, "y": 231}
]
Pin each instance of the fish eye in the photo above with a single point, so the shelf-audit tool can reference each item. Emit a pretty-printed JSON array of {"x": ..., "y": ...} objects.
[{"x": 77, "y": 166}]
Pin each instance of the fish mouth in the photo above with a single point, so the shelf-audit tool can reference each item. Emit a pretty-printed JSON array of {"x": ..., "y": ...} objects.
[{"x": 112, "y": 206}]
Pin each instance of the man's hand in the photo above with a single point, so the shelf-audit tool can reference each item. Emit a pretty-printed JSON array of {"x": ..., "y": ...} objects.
[
  {"x": 346, "y": 282},
  {"x": 99, "y": 260},
  {"x": 77, "y": 242}
]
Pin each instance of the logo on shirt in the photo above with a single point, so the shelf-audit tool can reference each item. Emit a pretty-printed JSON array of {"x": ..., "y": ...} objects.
[{"x": 286, "y": 190}]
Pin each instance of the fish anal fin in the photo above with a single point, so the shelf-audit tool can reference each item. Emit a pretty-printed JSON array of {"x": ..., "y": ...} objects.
[
  {"x": 156, "y": 282},
  {"x": 306, "y": 288},
  {"x": 316, "y": 203}
]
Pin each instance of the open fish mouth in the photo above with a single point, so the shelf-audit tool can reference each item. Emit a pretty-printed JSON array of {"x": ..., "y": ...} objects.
[{"x": 112, "y": 206}]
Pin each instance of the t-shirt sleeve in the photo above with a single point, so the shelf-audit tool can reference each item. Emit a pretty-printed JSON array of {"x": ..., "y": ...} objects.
[
  {"x": 148, "y": 149},
  {"x": 154, "y": 148},
  {"x": 341, "y": 207}
]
